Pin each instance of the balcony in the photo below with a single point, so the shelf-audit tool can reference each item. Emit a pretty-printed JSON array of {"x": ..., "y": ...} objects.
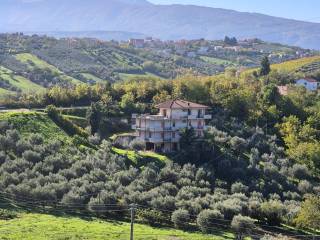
[
  {"x": 179, "y": 117},
  {"x": 154, "y": 140}
]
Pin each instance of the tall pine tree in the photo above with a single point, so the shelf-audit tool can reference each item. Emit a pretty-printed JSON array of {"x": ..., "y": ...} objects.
[{"x": 265, "y": 66}]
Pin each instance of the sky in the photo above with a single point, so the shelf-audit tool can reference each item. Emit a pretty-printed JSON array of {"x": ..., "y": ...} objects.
[{"x": 307, "y": 10}]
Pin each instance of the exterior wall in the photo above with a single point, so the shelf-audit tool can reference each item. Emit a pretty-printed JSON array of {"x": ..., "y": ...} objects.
[{"x": 162, "y": 131}]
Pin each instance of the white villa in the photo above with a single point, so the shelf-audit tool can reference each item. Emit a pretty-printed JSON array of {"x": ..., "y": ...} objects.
[
  {"x": 309, "y": 83},
  {"x": 161, "y": 132}
]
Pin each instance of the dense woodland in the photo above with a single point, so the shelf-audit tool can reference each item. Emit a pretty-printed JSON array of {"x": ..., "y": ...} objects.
[{"x": 259, "y": 158}]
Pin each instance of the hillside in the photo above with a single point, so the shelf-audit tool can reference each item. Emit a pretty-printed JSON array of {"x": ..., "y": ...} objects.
[
  {"x": 50, "y": 171},
  {"x": 305, "y": 66},
  {"x": 30, "y": 64},
  {"x": 161, "y": 21}
]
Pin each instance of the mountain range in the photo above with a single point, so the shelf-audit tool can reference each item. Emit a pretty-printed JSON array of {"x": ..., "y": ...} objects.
[{"x": 161, "y": 21}]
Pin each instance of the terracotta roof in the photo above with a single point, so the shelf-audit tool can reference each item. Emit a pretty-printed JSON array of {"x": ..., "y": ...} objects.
[{"x": 180, "y": 104}]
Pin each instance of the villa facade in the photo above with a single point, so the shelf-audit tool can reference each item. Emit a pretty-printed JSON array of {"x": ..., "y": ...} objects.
[{"x": 161, "y": 132}]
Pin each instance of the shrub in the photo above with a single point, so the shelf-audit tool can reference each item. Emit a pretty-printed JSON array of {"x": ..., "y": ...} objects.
[
  {"x": 242, "y": 225},
  {"x": 180, "y": 218},
  {"x": 231, "y": 207},
  {"x": 31, "y": 156},
  {"x": 95, "y": 139},
  {"x": 152, "y": 217},
  {"x": 309, "y": 215},
  {"x": 305, "y": 187},
  {"x": 299, "y": 171},
  {"x": 137, "y": 145},
  {"x": 273, "y": 211},
  {"x": 238, "y": 187},
  {"x": 207, "y": 218},
  {"x": 7, "y": 215}
]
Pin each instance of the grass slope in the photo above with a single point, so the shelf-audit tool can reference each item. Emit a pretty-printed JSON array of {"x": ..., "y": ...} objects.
[
  {"x": 141, "y": 158},
  {"x": 127, "y": 76},
  {"x": 44, "y": 227},
  {"x": 217, "y": 61},
  {"x": 24, "y": 84},
  {"x": 294, "y": 65},
  {"x": 290, "y": 66},
  {"x": 91, "y": 77},
  {"x": 33, "y": 61},
  {"x": 31, "y": 122}
]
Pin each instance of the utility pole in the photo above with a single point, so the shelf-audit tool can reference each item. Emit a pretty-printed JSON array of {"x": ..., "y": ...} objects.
[{"x": 132, "y": 210}]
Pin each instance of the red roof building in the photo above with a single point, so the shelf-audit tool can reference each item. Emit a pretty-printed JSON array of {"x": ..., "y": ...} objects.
[{"x": 161, "y": 132}]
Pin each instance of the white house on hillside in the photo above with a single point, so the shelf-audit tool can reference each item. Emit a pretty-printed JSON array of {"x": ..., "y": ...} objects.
[
  {"x": 309, "y": 83},
  {"x": 161, "y": 132}
]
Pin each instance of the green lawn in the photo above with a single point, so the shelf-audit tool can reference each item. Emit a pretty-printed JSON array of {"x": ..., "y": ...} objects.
[
  {"x": 33, "y": 61},
  {"x": 46, "y": 227}
]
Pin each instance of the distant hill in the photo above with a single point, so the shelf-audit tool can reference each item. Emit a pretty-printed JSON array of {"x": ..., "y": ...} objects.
[
  {"x": 163, "y": 21},
  {"x": 102, "y": 35}
]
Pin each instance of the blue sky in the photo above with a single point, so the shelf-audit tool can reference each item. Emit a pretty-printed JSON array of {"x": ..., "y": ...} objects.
[{"x": 295, "y": 9}]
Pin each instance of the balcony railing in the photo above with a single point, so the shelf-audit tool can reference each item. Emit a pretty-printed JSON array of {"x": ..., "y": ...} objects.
[{"x": 153, "y": 140}]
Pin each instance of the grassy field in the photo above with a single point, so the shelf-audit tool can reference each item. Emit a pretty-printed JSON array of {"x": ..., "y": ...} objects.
[
  {"x": 294, "y": 65},
  {"x": 126, "y": 76},
  {"x": 217, "y": 61},
  {"x": 142, "y": 158},
  {"x": 46, "y": 227},
  {"x": 33, "y": 61},
  {"x": 31, "y": 122},
  {"x": 91, "y": 77},
  {"x": 290, "y": 66},
  {"x": 25, "y": 85}
]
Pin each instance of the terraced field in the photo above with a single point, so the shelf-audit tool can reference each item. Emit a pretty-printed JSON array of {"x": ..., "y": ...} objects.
[{"x": 33, "y": 62}]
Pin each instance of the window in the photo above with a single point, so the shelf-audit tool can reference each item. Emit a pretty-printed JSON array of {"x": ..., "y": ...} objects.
[
  {"x": 184, "y": 121},
  {"x": 164, "y": 112},
  {"x": 150, "y": 134},
  {"x": 189, "y": 112},
  {"x": 173, "y": 135},
  {"x": 174, "y": 124},
  {"x": 199, "y": 113}
]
